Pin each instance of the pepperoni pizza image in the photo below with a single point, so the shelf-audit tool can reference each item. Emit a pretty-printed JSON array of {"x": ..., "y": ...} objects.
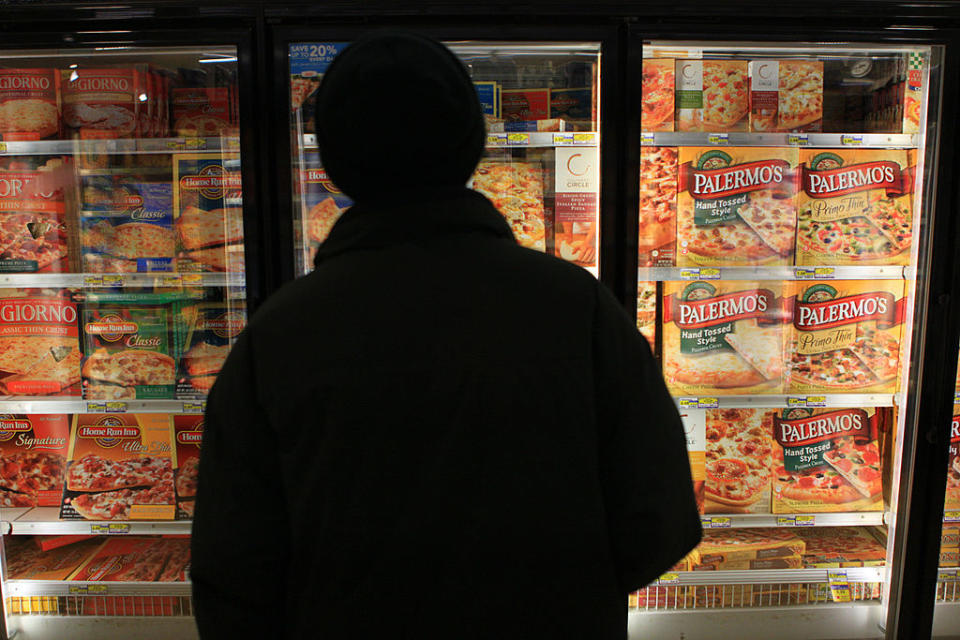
[
  {"x": 738, "y": 460},
  {"x": 658, "y": 92}
]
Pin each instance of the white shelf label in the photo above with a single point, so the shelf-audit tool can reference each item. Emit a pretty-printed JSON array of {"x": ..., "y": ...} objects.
[
  {"x": 798, "y": 139},
  {"x": 647, "y": 137},
  {"x": 851, "y": 140},
  {"x": 699, "y": 403}
]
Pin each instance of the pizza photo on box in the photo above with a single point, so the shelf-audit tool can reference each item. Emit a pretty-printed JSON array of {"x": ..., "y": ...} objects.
[
  {"x": 827, "y": 460},
  {"x": 120, "y": 467},
  {"x": 208, "y": 217},
  {"x": 206, "y": 331},
  {"x": 658, "y": 94},
  {"x": 647, "y": 311},
  {"x": 736, "y": 206},
  {"x": 854, "y": 207},
  {"x": 27, "y": 561},
  {"x": 516, "y": 190},
  {"x": 739, "y": 460},
  {"x": 841, "y": 547},
  {"x": 657, "y": 221},
  {"x": 137, "y": 559},
  {"x": 722, "y": 337},
  {"x": 744, "y": 549},
  {"x": 29, "y": 104},
  {"x": 33, "y": 453},
  {"x": 845, "y": 336},
  {"x": 101, "y": 103},
  {"x": 34, "y": 236}
]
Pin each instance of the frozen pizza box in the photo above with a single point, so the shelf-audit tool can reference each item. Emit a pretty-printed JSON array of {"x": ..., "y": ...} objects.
[
  {"x": 205, "y": 331},
  {"x": 516, "y": 190},
  {"x": 950, "y": 535},
  {"x": 29, "y": 104},
  {"x": 854, "y": 207},
  {"x": 952, "y": 499},
  {"x": 188, "y": 432},
  {"x": 208, "y": 220},
  {"x": 647, "y": 311},
  {"x": 322, "y": 204},
  {"x": 39, "y": 343},
  {"x": 201, "y": 111},
  {"x": 694, "y": 430},
  {"x": 736, "y": 206},
  {"x": 27, "y": 561},
  {"x": 126, "y": 225},
  {"x": 844, "y": 336},
  {"x": 712, "y": 95},
  {"x": 657, "y": 222},
  {"x": 573, "y": 106},
  {"x": 137, "y": 559},
  {"x": 658, "y": 94},
  {"x": 525, "y": 104},
  {"x": 101, "y": 102},
  {"x": 127, "y": 352},
  {"x": 738, "y": 460},
  {"x": 827, "y": 460},
  {"x": 786, "y": 95},
  {"x": 722, "y": 337},
  {"x": 120, "y": 467},
  {"x": 913, "y": 91},
  {"x": 34, "y": 234},
  {"x": 748, "y": 549},
  {"x": 841, "y": 547},
  {"x": 33, "y": 454}
]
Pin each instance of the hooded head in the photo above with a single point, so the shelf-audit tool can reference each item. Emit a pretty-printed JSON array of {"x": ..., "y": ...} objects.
[{"x": 397, "y": 114}]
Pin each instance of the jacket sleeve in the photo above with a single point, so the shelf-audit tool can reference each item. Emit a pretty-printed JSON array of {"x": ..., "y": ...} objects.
[
  {"x": 238, "y": 543},
  {"x": 648, "y": 494}
]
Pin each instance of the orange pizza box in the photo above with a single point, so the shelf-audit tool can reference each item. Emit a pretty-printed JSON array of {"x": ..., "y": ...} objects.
[
  {"x": 207, "y": 216},
  {"x": 730, "y": 548},
  {"x": 694, "y": 429},
  {"x": 658, "y": 94},
  {"x": 950, "y": 535},
  {"x": 136, "y": 559},
  {"x": 736, "y": 206},
  {"x": 127, "y": 352},
  {"x": 855, "y": 207},
  {"x": 188, "y": 432},
  {"x": 844, "y": 336},
  {"x": 525, "y": 104},
  {"x": 738, "y": 460},
  {"x": 101, "y": 102},
  {"x": 516, "y": 190},
  {"x": 201, "y": 112},
  {"x": 48, "y": 543},
  {"x": 29, "y": 104},
  {"x": 26, "y": 561},
  {"x": 843, "y": 546},
  {"x": 39, "y": 343},
  {"x": 120, "y": 467},
  {"x": 657, "y": 221},
  {"x": 712, "y": 95},
  {"x": 826, "y": 460},
  {"x": 952, "y": 497},
  {"x": 913, "y": 91},
  {"x": 33, "y": 453},
  {"x": 949, "y": 558},
  {"x": 786, "y": 95},
  {"x": 722, "y": 337},
  {"x": 647, "y": 311}
]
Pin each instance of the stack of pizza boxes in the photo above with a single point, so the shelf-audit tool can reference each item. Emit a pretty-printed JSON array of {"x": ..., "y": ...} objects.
[
  {"x": 950, "y": 545},
  {"x": 33, "y": 454},
  {"x": 843, "y": 547},
  {"x": 137, "y": 559},
  {"x": 29, "y": 104},
  {"x": 27, "y": 561},
  {"x": 120, "y": 467}
]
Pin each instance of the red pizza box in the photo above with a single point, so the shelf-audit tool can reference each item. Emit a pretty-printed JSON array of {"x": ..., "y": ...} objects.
[
  {"x": 827, "y": 460},
  {"x": 657, "y": 221},
  {"x": 37, "y": 233},
  {"x": 786, "y": 95},
  {"x": 48, "y": 543},
  {"x": 658, "y": 94},
  {"x": 201, "y": 111},
  {"x": 525, "y": 104},
  {"x": 33, "y": 453},
  {"x": 136, "y": 559},
  {"x": 101, "y": 102},
  {"x": 29, "y": 104},
  {"x": 26, "y": 561},
  {"x": 120, "y": 467},
  {"x": 952, "y": 496},
  {"x": 188, "y": 431}
]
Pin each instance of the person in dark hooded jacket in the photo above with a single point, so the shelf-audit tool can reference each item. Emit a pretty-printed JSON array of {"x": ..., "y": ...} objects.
[{"x": 437, "y": 433}]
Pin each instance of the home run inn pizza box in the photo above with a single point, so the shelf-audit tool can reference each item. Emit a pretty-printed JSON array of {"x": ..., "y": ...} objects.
[
  {"x": 736, "y": 206},
  {"x": 120, "y": 467},
  {"x": 205, "y": 332},
  {"x": 854, "y": 207},
  {"x": 827, "y": 460},
  {"x": 33, "y": 454},
  {"x": 722, "y": 337},
  {"x": 712, "y": 95},
  {"x": 137, "y": 559},
  {"x": 844, "y": 336},
  {"x": 26, "y": 561},
  {"x": 39, "y": 343},
  {"x": 786, "y": 95},
  {"x": 739, "y": 460},
  {"x": 127, "y": 352},
  {"x": 188, "y": 433}
]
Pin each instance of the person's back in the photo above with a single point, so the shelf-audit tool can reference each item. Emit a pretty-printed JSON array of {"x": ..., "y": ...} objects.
[{"x": 437, "y": 433}]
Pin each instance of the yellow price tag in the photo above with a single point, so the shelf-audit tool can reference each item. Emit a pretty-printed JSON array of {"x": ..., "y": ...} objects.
[
  {"x": 3, "y": 147},
  {"x": 709, "y": 274},
  {"x": 839, "y": 585},
  {"x": 171, "y": 281},
  {"x": 494, "y": 140},
  {"x": 115, "y": 407},
  {"x": 78, "y": 589},
  {"x": 585, "y": 138},
  {"x": 851, "y": 141},
  {"x": 824, "y": 272},
  {"x": 97, "y": 588},
  {"x": 99, "y": 529},
  {"x": 708, "y": 403},
  {"x": 92, "y": 281},
  {"x": 669, "y": 578},
  {"x": 718, "y": 138},
  {"x": 719, "y": 522},
  {"x": 195, "y": 143},
  {"x": 118, "y": 527},
  {"x": 518, "y": 138},
  {"x": 192, "y": 279},
  {"x": 173, "y": 144},
  {"x": 194, "y": 407},
  {"x": 786, "y": 521},
  {"x": 816, "y": 401},
  {"x": 689, "y": 403},
  {"x": 96, "y": 407},
  {"x": 113, "y": 281},
  {"x": 951, "y": 516},
  {"x": 798, "y": 139},
  {"x": 805, "y": 521}
]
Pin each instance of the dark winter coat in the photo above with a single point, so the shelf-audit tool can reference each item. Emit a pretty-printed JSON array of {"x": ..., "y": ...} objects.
[{"x": 437, "y": 434}]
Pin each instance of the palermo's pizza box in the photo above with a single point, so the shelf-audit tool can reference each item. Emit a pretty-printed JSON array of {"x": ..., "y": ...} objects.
[
  {"x": 736, "y": 206},
  {"x": 722, "y": 337},
  {"x": 658, "y": 94},
  {"x": 39, "y": 343},
  {"x": 855, "y": 207},
  {"x": 204, "y": 333},
  {"x": 712, "y": 95},
  {"x": 26, "y": 561},
  {"x": 120, "y": 467},
  {"x": 841, "y": 547},
  {"x": 786, "y": 95},
  {"x": 738, "y": 460},
  {"x": 748, "y": 549},
  {"x": 657, "y": 220},
  {"x": 827, "y": 460},
  {"x": 188, "y": 433},
  {"x": 33, "y": 453},
  {"x": 844, "y": 336},
  {"x": 952, "y": 499}
]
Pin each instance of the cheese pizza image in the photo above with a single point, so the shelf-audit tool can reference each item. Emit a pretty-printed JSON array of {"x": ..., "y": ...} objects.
[
  {"x": 786, "y": 95},
  {"x": 845, "y": 336},
  {"x": 722, "y": 338},
  {"x": 827, "y": 460},
  {"x": 29, "y": 104},
  {"x": 854, "y": 207},
  {"x": 516, "y": 190},
  {"x": 658, "y": 88},
  {"x": 736, "y": 206}
]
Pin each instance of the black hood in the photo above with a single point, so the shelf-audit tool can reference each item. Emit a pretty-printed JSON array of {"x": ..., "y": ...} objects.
[{"x": 397, "y": 114}]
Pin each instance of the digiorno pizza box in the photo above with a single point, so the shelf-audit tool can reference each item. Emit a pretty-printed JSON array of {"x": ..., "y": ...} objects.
[
  {"x": 127, "y": 352},
  {"x": 322, "y": 205},
  {"x": 738, "y": 460},
  {"x": 120, "y": 467},
  {"x": 844, "y": 336},
  {"x": 29, "y": 104},
  {"x": 952, "y": 499},
  {"x": 126, "y": 225},
  {"x": 208, "y": 220},
  {"x": 657, "y": 219},
  {"x": 736, "y": 206},
  {"x": 722, "y": 337},
  {"x": 658, "y": 94},
  {"x": 39, "y": 343},
  {"x": 33, "y": 454},
  {"x": 101, "y": 102},
  {"x": 827, "y": 460},
  {"x": 712, "y": 95},
  {"x": 204, "y": 332},
  {"x": 188, "y": 433},
  {"x": 786, "y": 95},
  {"x": 855, "y": 207}
]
